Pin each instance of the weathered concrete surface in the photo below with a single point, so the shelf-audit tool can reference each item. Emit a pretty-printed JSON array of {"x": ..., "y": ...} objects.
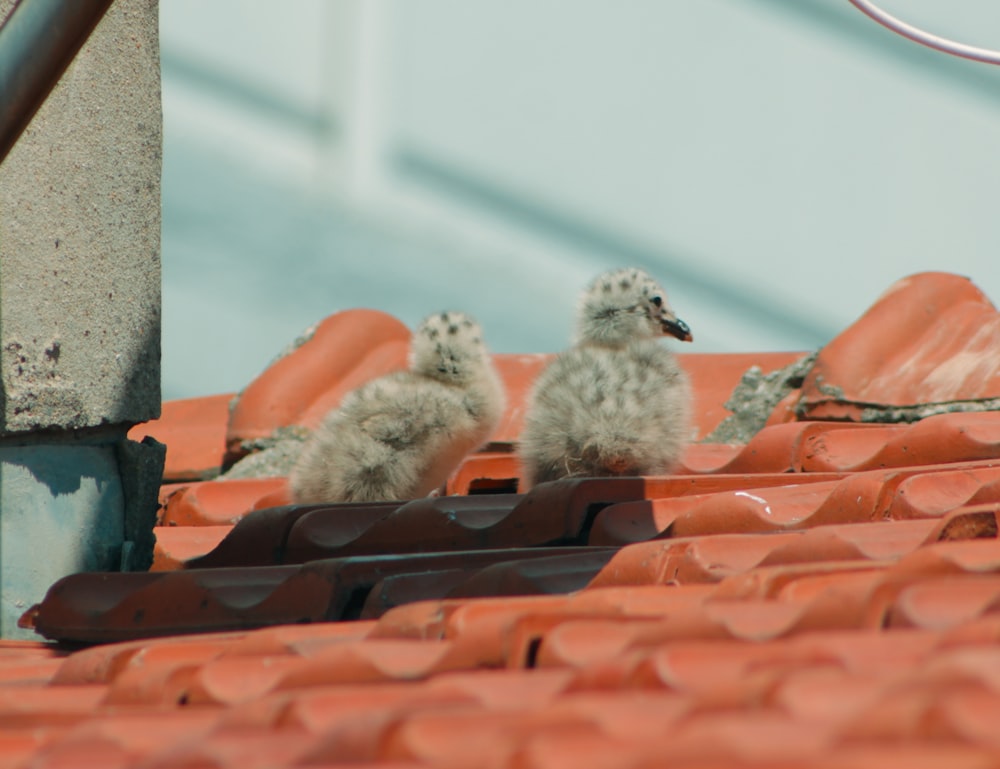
[
  {"x": 80, "y": 239},
  {"x": 80, "y": 318},
  {"x": 63, "y": 511}
]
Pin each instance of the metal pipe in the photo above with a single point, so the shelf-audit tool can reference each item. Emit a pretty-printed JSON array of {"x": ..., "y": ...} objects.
[
  {"x": 926, "y": 38},
  {"x": 37, "y": 43}
]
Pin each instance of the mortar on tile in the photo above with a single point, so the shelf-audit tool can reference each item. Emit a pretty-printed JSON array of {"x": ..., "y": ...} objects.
[{"x": 755, "y": 397}]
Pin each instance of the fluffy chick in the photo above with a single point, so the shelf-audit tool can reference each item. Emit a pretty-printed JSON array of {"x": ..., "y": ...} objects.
[
  {"x": 400, "y": 436},
  {"x": 617, "y": 402}
]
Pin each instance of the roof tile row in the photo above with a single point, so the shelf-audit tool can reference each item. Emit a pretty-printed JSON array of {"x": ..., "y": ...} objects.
[{"x": 825, "y": 595}]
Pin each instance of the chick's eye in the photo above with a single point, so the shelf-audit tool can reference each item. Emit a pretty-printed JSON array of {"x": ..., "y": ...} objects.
[{"x": 657, "y": 301}]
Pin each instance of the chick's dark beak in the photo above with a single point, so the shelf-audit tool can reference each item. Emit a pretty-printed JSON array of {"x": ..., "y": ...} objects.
[{"x": 676, "y": 327}]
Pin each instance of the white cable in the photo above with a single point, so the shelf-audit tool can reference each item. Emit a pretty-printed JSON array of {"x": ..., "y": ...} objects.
[{"x": 926, "y": 38}]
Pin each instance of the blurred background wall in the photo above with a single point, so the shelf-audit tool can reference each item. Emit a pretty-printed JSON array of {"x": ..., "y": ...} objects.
[{"x": 776, "y": 163}]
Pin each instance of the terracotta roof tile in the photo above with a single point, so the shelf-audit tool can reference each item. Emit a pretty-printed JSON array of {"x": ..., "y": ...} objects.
[
  {"x": 176, "y": 545},
  {"x": 337, "y": 355},
  {"x": 714, "y": 376},
  {"x": 935, "y": 440},
  {"x": 805, "y": 502},
  {"x": 194, "y": 431},
  {"x": 824, "y": 595},
  {"x": 489, "y": 472},
  {"x": 930, "y": 339},
  {"x": 217, "y": 503},
  {"x": 839, "y": 448}
]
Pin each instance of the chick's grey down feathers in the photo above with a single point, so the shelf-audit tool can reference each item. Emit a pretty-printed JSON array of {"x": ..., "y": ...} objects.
[
  {"x": 617, "y": 402},
  {"x": 400, "y": 436}
]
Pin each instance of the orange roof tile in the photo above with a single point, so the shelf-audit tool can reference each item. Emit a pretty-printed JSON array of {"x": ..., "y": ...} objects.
[
  {"x": 194, "y": 432},
  {"x": 340, "y": 353},
  {"x": 930, "y": 339},
  {"x": 825, "y": 595}
]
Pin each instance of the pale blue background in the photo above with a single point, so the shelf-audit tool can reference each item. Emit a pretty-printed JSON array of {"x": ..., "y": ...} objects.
[{"x": 777, "y": 163}]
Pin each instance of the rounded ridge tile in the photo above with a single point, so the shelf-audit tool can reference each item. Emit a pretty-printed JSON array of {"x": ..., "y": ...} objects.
[
  {"x": 626, "y": 523},
  {"x": 257, "y": 539},
  {"x": 338, "y": 345},
  {"x": 327, "y": 531},
  {"x": 386, "y": 358},
  {"x": 892, "y": 355}
]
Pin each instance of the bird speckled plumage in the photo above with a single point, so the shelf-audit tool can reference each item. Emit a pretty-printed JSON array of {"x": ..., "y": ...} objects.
[
  {"x": 617, "y": 402},
  {"x": 400, "y": 436}
]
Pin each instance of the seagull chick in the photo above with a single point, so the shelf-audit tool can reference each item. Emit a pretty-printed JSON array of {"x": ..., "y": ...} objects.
[
  {"x": 400, "y": 436},
  {"x": 617, "y": 402}
]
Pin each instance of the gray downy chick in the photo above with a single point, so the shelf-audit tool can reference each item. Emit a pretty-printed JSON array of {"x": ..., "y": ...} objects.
[
  {"x": 617, "y": 402},
  {"x": 400, "y": 436}
]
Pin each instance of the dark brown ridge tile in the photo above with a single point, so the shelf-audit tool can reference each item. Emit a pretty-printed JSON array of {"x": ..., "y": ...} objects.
[
  {"x": 259, "y": 539},
  {"x": 571, "y": 569},
  {"x": 551, "y": 514},
  {"x": 422, "y": 525},
  {"x": 95, "y": 608}
]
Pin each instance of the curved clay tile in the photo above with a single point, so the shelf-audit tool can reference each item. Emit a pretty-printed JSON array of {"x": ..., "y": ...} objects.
[{"x": 931, "y": 339}]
